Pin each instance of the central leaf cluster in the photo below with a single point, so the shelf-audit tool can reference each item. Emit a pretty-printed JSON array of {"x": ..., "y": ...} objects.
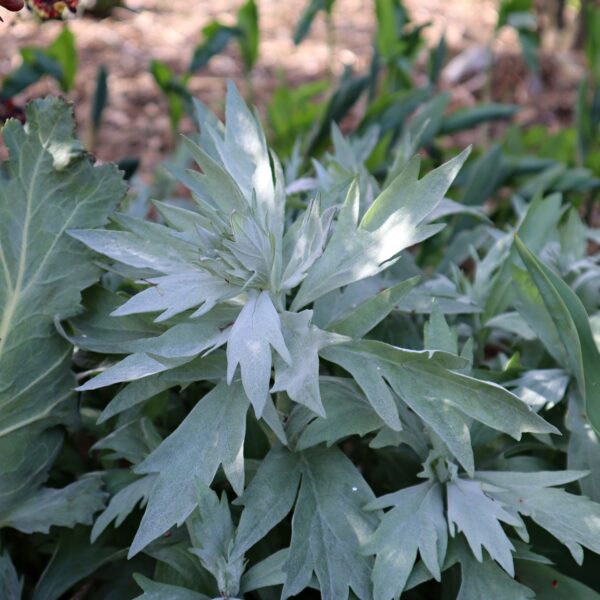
[{"x": 241, "y": 251}]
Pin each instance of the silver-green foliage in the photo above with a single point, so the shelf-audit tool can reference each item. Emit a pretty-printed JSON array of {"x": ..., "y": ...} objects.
[
  {"x": 48, "y": 186},
  {"x": 282, "y": 317}
]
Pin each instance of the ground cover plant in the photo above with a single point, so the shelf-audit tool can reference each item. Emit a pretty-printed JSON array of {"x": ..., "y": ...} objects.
[
  {"x": 284, "y": 399},
  {"x": 303, "y": 360}
]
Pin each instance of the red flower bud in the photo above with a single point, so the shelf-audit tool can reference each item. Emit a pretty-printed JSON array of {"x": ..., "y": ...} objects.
[{"x": 12, "y": 5}]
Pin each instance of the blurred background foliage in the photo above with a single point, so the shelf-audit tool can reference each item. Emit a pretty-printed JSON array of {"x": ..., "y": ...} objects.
[{"x": 513, "y": 77}]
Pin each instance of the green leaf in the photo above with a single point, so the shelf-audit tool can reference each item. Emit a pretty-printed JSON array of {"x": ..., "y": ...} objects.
[
  {"x": 175, "y": 91},
  {"x": 216, "y": 186},
  {"x": 216, "y": 39},
  {"x": 437, "y": 57},
  {"x": 159, "y": 591},
  {"x": 212, "y": 434},
  {"x": 308, "y": 16},
  {"x": 95, "y": 330},
  {"x": 541, "y": 388},
  {"x": 247, "y": 22},
  {"x": 427, "y": 121},
  {"x": 468, "y": 118},
  {"x": 348, "y": 413},
  {"x": 300, "y": 376},
  {"x": 242, "y": 150},
  {"x": 328, "y": 519},
  {"x": 478, "y": 517},
  {"x": 372, "y": 311},
  {"x": 100, "y": 98},
  {"x": 35, "y": 65},
  {"x": 485, "y": 579},
  {"x": 557, "y": 315},
  {"x": 535, "y": 227},
  {"x": 355, "y": 251},
  {"x": 512, "y": 322},
  {"x": 42, "y": 273},
  {"x": 545, "y": 313},
  {"x": 123, "y": 503},
  {"x": 63, "y": 50},
  {"x": 132, "y": 441},
  {"x": 416, "y": 523},
  {"x": 584, "y": 449},
  {"x": 549, "y": 584},
  {"x": 257, "y": 328},
  {"x": 266, "y": 573},
  {"x": 268, "y": 498},
  {"x": 484, "y": 177},
  {"x": 293, "y": 111},
  {"x": 176, "y": 346},
  {"x": 11, "y": 586},
  {"x": 178, "y": 566},
  {"x": 59, "y": 61},
  {"x": 253, "y": 248},
  {"x": 174, "y": 294},
  {"x": 391, "y": 18},
  {"x": 135, "y": 366},
  {"x": 573, "y": 520},
  {"x": 303, "y": 244},
  {"x": 66, "y": 507},
  {"x": 210, "y": 368},
  {"x": 73, "y": 560},
  {"x": 329, "y": 522},
  {"x": 438, "y": 335},
  {"x": 426, "y": 383},
  {"x": 370, "y": 379},
  {"x": 212, "y": 533},
  {"x": 146, "y": 246}
]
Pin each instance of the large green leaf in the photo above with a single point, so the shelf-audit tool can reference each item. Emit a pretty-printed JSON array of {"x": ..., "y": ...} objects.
[{"x": 50, "y": 187}]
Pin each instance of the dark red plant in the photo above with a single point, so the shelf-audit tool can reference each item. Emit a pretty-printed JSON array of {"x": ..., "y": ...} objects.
[
  {"x": 9, "y": 110},
  {"x": 52, "y": 9},
  {"x": 12, "y": 5}
]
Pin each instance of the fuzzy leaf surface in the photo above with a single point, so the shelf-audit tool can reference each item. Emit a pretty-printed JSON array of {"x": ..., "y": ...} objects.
[
  {"x": 393, "y": 223},
  {"x": 212, "y": 434},
  {"x": 415, "y": 524},
  {"x": 256, "y": 329},
  {"x": 328, "y": 525},
  {"x": 50, "y": 186}
]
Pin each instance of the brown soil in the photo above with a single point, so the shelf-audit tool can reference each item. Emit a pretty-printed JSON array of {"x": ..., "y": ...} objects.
[{"x": 136, "y": 121}]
